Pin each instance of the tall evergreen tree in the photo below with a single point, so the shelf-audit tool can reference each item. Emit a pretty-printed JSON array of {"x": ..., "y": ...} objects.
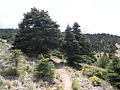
[
  {"x": 77, "y": 31},
  {"x": 72, "y": 47},
  {"x": 83, "y": 41},
  {"x": 77, "y": 47},
  {"x": 38, "y": 33}
]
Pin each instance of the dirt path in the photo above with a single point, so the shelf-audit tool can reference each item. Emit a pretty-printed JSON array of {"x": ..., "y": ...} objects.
[{"x": 66, "y": 78}]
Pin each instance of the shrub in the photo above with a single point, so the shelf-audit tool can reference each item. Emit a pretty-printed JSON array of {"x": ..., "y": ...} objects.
[
  {"x": 101, "y": 73},
  {"x": 31, "y": 86},
  {"x": 22, "y": 78},
  {"x": 12, "y": 64},
  {"x": 1, "y": 82},
  {"x": 86, "y": 59},
  {"x": 44, "y": 68},
  {"x": 48, "y": 88},
  {"x": 59, "y": 88},
  {"x": 15, "y": 83},
  {"x": 43, "y": 83},
  {"x": 86, "y": 70},
  {"x": 113, "y": 75},
  {"x": 15, "y": 56},
  {"x": 75, "y": 85},
  {"x": 30, "y": 69},
  {"x": 103, "y": 61},
  {"x": 12, "y": 71},
  {"x": 57, "y": 53},
  {"x": 95, "y": 80}
]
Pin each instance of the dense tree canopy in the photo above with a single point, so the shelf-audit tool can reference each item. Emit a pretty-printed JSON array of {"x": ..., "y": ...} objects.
[
  {"x": 75, "y": 44},
  {"x": 103, "y": 42},
  {"x": 8, "y": 34},
  {"x": 71, "y": 45},
  {"x": 83, "y": 41},
  {"x": 38, "y": 33}
]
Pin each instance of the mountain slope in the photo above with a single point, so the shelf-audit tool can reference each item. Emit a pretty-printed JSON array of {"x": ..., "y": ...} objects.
[{"x": 26, "y": 80}]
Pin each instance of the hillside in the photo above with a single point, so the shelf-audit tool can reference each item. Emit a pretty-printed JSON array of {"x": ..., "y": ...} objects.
[
  {"x": 26, "y": 80},
  {"x": 103, "y": 42},
  {"x": 8, "y": 34}
]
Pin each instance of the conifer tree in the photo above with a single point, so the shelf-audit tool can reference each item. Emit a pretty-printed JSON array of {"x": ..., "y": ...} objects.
[
  {"x": 72, "y": 47},
  {"x": 38, "y": 33},
  {"x": 76, "y": 45},
  {"x": 44, "y": 68},
  {"x": 84, "y": 43}
]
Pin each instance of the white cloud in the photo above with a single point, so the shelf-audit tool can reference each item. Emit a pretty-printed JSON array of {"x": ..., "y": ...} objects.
[{"x": 94, "y": 16}]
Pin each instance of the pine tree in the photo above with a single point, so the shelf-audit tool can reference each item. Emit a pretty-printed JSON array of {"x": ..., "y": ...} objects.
[
  {"x": 77, "y": 31},
  {"x": 38, "y": 33},
  {"x": 44, "y": 68},
  {"x": 71, "y": 46},
  {"x": 84, "y": 43},
  {"x": 76, "y": 45}
]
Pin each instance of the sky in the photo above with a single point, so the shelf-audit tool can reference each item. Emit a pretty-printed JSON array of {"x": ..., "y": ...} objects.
[{"x": 94, "y": 16}]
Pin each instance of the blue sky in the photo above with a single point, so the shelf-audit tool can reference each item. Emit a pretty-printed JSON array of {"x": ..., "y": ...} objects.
[{"x": 94, "y": 16}]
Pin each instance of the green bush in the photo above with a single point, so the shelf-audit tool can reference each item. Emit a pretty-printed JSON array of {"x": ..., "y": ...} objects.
[
  {"x": 86, "y": 59},
  {"x": 57, "y": 53},
  {"x": 12, "y": 63},
  {"x": 103, "y": 61},
  {"x": 113, "y": 68},
  {"x": 75, "y": 85},
  {"x": 1, "y": 82},
  {"x": 95, "y": 81},
  {"x": 59, "y": 88},
  {"x": 15, "y": 56},
  {"x": 10, "y": 71},
  {"x": 101, "y": 73},
  {"x": 31, "y": 86},
  {"x": 48, "y": 88},
  {"x": 44, "y": 69}
]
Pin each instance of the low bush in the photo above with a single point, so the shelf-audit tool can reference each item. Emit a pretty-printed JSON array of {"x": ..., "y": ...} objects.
[
  {"x": 86, "y": 59},
  {"x": 12, "y": 71},
  {"x": 48, "y": 88},
  {"x": 75, "y": 85},
  {"x": 86, "y": 70},
  {"x": 103, "y": 61},
  {"x": 11, "y": 67},
  {"x": 57, "y": 54},
  {"x": 44, "y": 69},
  {"x": 59, "y": 88},
  {"x": 1, "y": 82},
  {"x": 101, "y": 73},
  {"x": 31, "y": 86},
  {"x": 95, "y": 80}
]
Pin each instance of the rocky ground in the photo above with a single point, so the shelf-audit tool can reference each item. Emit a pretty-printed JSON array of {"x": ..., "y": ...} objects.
[{"x": 68, "y": 74}]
